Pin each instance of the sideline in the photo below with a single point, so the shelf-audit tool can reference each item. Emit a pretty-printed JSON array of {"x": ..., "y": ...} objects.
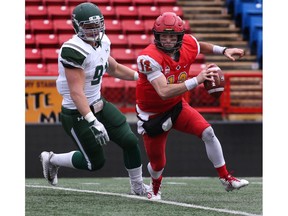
[{"x": 144, "y": 198}]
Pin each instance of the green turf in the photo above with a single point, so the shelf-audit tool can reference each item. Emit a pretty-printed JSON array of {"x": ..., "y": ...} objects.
[{"x": 200, "y": 193}]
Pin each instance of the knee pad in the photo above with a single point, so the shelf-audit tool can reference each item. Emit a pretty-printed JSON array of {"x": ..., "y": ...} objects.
[{"x": 208, "y": 134}]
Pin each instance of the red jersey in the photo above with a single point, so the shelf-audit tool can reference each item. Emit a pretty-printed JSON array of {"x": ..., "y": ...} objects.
[{"x": 151, "y": 60}]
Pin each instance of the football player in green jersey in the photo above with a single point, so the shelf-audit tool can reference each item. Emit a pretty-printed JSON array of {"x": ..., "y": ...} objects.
[{"x": 86, "y": 116}]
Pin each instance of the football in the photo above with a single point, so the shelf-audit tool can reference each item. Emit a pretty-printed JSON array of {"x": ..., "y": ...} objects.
[{"x": 215, "y": 88}]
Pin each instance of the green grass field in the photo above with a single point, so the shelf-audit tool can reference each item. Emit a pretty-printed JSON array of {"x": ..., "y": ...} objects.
[{"x": 110, "y": 196}]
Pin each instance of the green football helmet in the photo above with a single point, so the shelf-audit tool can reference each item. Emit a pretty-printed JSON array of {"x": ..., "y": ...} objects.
[{"x": 88, "y": 22}]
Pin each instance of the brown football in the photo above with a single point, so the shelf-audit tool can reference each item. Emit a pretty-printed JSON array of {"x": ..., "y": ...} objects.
[{"x": 215, "y": 88}]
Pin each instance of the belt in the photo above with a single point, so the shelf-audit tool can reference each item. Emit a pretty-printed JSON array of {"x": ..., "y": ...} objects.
[{"x": 97, "y": 106}]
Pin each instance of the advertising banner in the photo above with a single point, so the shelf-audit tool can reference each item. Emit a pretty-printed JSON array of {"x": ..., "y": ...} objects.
[{"x": 42, "y": 101}]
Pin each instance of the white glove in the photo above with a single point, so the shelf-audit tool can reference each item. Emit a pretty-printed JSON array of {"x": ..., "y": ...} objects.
[
  {"x": 97, "y": 129},
  {"x": 99, "y": 132}
]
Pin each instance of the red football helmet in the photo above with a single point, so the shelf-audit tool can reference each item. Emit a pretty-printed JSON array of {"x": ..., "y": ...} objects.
[{"x": 168, "y": 23}]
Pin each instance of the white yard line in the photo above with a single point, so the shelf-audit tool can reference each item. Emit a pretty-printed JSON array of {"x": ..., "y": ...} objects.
[{"x": 144, "y": 198}]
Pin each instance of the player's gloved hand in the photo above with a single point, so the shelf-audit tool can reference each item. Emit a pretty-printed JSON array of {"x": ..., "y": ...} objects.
[
  {"x": 99, "y": 132},
  {"x": 97, "y": 129}
]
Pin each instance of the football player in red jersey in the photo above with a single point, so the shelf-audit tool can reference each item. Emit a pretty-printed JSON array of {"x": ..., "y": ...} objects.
[{"x": 163, "y": 78}]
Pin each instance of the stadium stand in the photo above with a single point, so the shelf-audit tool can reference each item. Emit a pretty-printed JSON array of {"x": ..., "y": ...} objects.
[
  {"x": 148, "y": 12},
  {"x": 133, "y": 26},
  {"x": 187, "y": 26},
  {"x": 124, "y": 55},
  {"x": 49, "y": 55},
  {"x": 36, "y": 12},
  {"x": 52, "y": 69},
  {"x": 126, "y": 12},
  {"x": 32, "y": 55},
  {"x": 33, "y": 2},
  {"x": 46, "y": 41},
  {"x": 108, "y": 11},
  {"x": 63, "y": 38},
  {"x": 30, "y": 41},
  {"x": 148, "y": 25},
  {"x": 113, "y": 26},
  {"x": 40, "y": 26},
  {"x": 35, "y": 69},
  {"x": 113, "y": 89},
  {"x": 100, "y": 2},
  {"x": 27, "y": 27},
  {"x": 205, "y": 19},
  {"x": 138, "y": 41},
  {"x": 63, "y": 26},
  {"x": 58, "y": 12},
  {"x": 118, "y": 41},
  {"x": 53, "y": 2},
  {"x": 143, "y": 2},
  {"x": 165, "y": 2},
  {"x": 249, "y": 10},
  {"x": 132, "y": 66},
  {"x": 73, "y": 3},
  {"x": 256, "y": 24},
  {"x": 259, "y": 47},
  {"x": 121, "y": 2},
  {"x": 243, "y": 5},
  {"x": 248, "y": 15},
  {"x": 169, "y": 8},
  {"x": 130, "y": 97}
]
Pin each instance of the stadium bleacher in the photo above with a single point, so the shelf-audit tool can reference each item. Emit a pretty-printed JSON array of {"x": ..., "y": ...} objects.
[
  {"x": 46, "y": 41},
  {"x": 148, "y": 12},
  {"x": 30, "y": 41},
  {"x": 133, "y": 26},
  {"x": 143, "y": 2},
  {"x": 248, "y": 14},
  {"x": 118, "y": 41},
  {"x": 113, "y": 26},
  {"x": 255, "y": 26},
  {"x": 48, "y": 26},
  {"x": 238, "y": 8},
  {"x": 249, "y": 10},
  {"x": 136, "y": 41}
]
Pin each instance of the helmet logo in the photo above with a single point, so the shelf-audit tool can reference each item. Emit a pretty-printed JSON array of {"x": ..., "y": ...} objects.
[{"x": 97, "y": 17}]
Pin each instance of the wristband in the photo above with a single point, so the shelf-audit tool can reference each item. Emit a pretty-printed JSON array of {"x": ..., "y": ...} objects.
[
  {"x": 219, "y": 49},
  {"x": 90, "y": 117},
  {"x": 136, "y": 76},
  {"x": 191, "y": 83}
]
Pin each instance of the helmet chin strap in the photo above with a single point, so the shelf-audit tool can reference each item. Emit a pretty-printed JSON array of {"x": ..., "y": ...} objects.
[
  {"x": 92, "y": 42},
  {"x": 171, "y": 52}
]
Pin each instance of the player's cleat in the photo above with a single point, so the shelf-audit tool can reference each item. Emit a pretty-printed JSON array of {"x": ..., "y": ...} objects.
[
  {"x": 139, "y": 188},
  {"x": 155, "y": 193},
  {"x": 152, "y": 196},
  {"x": 231, "y": 183},
  {"x": 49, "y": 170}
]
